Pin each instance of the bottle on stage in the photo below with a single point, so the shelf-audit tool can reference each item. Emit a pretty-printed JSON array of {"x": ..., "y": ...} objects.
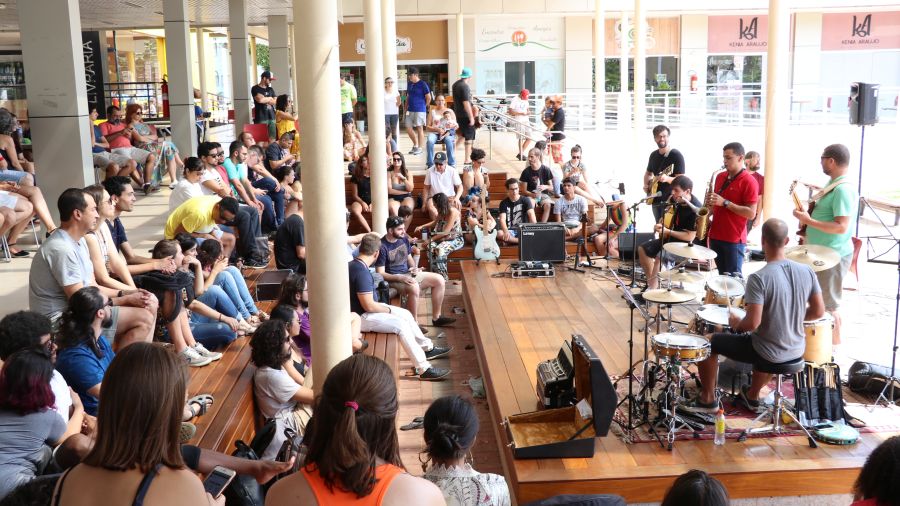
[{"x": 720, "y": 427}]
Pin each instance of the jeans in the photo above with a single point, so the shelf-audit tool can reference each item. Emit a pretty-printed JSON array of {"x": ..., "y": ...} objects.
[
  {"x": 730, "y": 256},
  {"x": 212, "y": 335},
  {"x": 268, "y": 217},
  {"x": 277, "y": 198},
  {"x": 449, "y": 143},
  {"x": 246, "y": 221},
  {"x": 233, "y": 284},
  {"x": 216, "y": 298},
  {"x": 391, "y": 122}
]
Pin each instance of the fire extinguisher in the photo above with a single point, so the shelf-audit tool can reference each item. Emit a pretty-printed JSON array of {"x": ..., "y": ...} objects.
[
  {"x": 693, "y": 82},
  {"x": 165, "y": 97}
]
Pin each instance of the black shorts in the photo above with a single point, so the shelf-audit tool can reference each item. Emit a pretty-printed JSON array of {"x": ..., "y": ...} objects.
[
  {"x": 346, "y": 118},
  {"x": 465, "y": 130},
  {"x": 738, "y": 347},
  {"x": 652, "y": 247}
]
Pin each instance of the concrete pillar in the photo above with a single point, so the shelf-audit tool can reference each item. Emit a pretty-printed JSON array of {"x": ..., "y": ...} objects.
[
  {"x": 279, "y": 54},
  {"x": 201, "y": 69},
  {"x": 240, "y": 65},
  {"x": 777, "y": 100},
  {"x": 295, "y": 87},
  {"x": 58, "y": 107},
  {"x": 624, "y": 97},
  {"x": 460, "y": 47},
  {"x": 389, "y": 36},
  {"x": 640, "y": 67},
  {"x": 599, "y": 68},
  {"x": 375, "y": 108},
  {"x": 181, "y": 87},
  {"x": 319, "y": 103}
]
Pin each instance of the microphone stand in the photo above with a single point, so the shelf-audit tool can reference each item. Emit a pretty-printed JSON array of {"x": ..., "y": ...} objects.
[{"x": 633, "y": 213}]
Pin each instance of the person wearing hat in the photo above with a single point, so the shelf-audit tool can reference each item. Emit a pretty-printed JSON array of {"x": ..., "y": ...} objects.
[
  {"x": 465, "y": 111},
  {"x": 418, "y": 98},
  {"x": 348, "y": 102},
  {"x": 518, "y": 109},
  {"x": 264, "y": 102},
  {"x": 441, "y": 179}
]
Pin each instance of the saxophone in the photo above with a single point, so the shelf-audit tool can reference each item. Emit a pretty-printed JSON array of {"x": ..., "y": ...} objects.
[{"x": 703, "y": 214}]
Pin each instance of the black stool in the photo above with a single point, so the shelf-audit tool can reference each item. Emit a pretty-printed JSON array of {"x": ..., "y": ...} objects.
[{"x": 778, "y": 408}]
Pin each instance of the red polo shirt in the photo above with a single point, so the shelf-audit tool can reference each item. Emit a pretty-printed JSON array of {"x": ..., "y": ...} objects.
[{"x": 728, "y": 226}]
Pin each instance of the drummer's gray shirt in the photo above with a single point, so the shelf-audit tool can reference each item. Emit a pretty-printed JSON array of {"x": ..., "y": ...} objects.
[{"x": 783, "y": 288}]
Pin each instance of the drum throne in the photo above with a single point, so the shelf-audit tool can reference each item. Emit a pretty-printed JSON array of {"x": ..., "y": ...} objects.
[{"x": 778, "y": 408}]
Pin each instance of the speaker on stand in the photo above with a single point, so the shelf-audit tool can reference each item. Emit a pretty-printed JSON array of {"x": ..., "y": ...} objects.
[{"x": 863, "y": 104}]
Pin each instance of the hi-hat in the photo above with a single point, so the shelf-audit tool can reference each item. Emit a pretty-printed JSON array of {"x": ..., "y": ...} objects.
[
  {"x": 820, "y": 258},
  {"x": 681, "y": 276},
  {"x": 668, "y": 296},
  {"x": 689, "y": 250}
]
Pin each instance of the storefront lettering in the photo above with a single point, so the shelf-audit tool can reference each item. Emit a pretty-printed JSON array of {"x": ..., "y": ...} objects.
[
  {"x": 748, "y": 32},
  {"x": 403, "y": 44},
  {"x": 756, "y": 44},
  {"x": 93, "y": 70},
  {"x": 863, "y": 29}
]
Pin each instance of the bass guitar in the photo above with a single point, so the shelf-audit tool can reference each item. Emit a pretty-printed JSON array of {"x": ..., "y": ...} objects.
[
  {"x": 654, "y": 181},
  {"x": 798, "y": 205},
  {"x": 486, "y": 247}
]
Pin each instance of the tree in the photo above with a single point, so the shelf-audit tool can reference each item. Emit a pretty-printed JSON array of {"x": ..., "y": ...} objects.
[{"x": 262, "y": 56}]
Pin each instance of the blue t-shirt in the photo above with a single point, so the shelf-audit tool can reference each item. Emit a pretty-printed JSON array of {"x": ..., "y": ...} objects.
[
  {"x": 117, "y": 231},
  {"x": 82, "y": 370},
  {"x": 393, "y": 256},
  {"x": 360, "y": 282},
  {"x": 238, "y": 172},
  {"x": 415, "y": 95},
  {"x": 97, "y": 134}
]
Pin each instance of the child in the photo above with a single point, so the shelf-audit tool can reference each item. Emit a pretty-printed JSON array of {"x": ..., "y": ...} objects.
[{"x": 447, "y": 125}]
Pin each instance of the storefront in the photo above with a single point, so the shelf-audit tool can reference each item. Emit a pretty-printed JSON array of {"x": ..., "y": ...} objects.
[
  {"x": 516, "y": 53},
  {"x": 865, "y": 46},
  {"x": 662, "y": 46},
  {"x": 736, "y": 62}
]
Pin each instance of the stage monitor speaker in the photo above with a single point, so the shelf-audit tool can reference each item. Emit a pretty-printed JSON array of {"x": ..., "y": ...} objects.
[
  {"x": 863, "y": 103},
  {"x": 542, "y": 242},
  {"x": 626, "y": 243}
]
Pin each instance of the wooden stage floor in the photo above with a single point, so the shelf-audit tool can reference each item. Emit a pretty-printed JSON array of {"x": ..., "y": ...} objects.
[{"x": 517, "y": 323}]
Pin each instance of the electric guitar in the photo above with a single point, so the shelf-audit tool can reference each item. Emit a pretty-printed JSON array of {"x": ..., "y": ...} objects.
[
  {"x": 654, "y": 181},
  {"x": 798, "y": 204},
  {"x": 486, "y": 247}
]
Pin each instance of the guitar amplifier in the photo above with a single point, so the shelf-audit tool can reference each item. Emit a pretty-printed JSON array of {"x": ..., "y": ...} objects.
[
  {"x": 542, "y": 242},
  {"x": 532, "y": 270},
  {"x": 268, "y": 284}
]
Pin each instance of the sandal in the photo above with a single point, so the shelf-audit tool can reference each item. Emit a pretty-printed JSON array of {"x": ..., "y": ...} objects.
[
  {"x": 262, "y": 315},
  {"x": 19, "y": 254},
  {"x": 204, "y": 401},
  {"x": 188, "y": 431},
  {"x": 417, "y": 423}
]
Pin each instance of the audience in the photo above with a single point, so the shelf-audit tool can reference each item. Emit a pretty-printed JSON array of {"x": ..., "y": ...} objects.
[
  {"x": 290, "y": 244},
  {"x": 286, "y": 121},
  {"x": 878, "y": 483},
  {"x": 143, "y": 404},
  {"x": 110, "y": 269},
  {"x": 451, "y": 425},
  {"x": 440, "y": 179},
  {"x": 536, "y": 183},
  {"x": 446, "y": 233},
  {"x": 119, "y": 135},
  {"x": 696, "y": 488},
  {"x": 217, "y": 272},
  {"x": 293, "y": 191},
  {"x": 353, "y": 451},
  {"x": 475, "y": 177},
  {"x": 14, "y": 171},
  {"x": 400, "y": 186},
  {"x": 15, "y": 214},
  {"x": 361, "y": 192},
  {"x": 144, "y": 137},
  {"x": 189, "y": 185},
  {"x": 112, "y": 164},
  {"x": 236, "y": 170}
]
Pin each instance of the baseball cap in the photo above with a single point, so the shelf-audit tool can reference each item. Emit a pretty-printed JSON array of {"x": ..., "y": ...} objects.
[
  {"x": 466, "y": 72},
  {"x": 268, "y": 75},
  {"x": 524, "y": 93},
  {"x": 394, "y": 222},
  {"x": 440, "y": 158}
]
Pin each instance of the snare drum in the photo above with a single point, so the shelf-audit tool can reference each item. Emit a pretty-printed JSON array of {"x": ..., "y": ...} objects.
[
  {"x": 818, "y": 339},
  {"x": 717, "y": 286},
  {"x": 682, "y": 347},
  {"x": 711, "y": 318}
]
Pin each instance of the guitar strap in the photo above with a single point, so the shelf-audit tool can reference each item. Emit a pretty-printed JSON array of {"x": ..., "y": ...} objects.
[
  {"x": 728, "y": 182},
  {"x": 825, "y": 191}
]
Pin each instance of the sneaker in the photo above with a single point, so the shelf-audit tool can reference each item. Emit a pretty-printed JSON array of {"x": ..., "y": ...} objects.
[
  {"x": 438, "y": 352},
  {"x": 418, "y": 151},
  {"x": 698, "y": 406},
  {"x": 424, "y": 330},
  {"x": 172, "y": 186},
  {"x": 254, "y": 263},
  {"x": 146, "y": 188},
  {"x": 442, "y": 321},
  {"x": 434, "y": 374},
  {"x": 203, "y": 352},
  {"x": 750, "y": 404},
  {"x": 194, "y": 359},
  {"x": 413, "y": 151}
]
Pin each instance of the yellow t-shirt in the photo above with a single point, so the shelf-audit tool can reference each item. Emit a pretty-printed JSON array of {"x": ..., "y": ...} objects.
[{"x": 194, "y": 214}]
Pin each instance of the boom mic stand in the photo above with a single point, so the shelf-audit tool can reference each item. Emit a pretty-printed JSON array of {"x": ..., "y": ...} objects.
[{"x": 633, "y": 213}]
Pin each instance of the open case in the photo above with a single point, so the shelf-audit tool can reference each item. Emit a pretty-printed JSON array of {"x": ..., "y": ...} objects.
[{"x": 563, "y": 432}]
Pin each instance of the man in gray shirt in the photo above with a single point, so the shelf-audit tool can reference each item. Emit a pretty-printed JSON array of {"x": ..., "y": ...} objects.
[
  {"x": 778, "y": 299},
  {"x": 62, "y": 266}
]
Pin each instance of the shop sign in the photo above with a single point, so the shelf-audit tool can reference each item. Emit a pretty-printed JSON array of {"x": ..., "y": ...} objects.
[
  {"x": 738, "y": 34},
  {"x": 519, "y": 38},
  {"x": 404, "y": 45},
  {"x": 631, "y": 32},
  {"x": 93, "y": 71},
  {"x": 860, "y": 31}
]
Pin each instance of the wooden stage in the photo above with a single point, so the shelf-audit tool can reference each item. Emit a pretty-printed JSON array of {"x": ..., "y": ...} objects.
[{"x": 517, "y": 323}]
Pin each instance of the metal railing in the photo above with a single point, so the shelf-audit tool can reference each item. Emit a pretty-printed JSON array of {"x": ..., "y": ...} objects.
[{"x": 147, "y": 94}]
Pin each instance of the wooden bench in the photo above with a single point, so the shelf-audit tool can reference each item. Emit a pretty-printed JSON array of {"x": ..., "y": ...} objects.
[{"x": 385, "y": 347}]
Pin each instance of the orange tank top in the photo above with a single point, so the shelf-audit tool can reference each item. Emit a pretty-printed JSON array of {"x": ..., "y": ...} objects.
[{"x": 384, "y": 475}]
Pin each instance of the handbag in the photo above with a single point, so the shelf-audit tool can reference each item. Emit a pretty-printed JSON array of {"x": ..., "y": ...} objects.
[
  {"x": 868, "y": 378},
  {"x": 243, "y": 489},
  {"x": 291, "y": 447}
]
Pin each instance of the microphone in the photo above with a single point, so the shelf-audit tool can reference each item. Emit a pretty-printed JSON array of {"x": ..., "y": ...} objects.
[
  {"x": 657, "y": 194},
  {"x": 622, "y": 188}
]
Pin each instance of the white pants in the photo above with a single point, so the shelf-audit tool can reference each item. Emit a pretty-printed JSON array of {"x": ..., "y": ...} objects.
[{"x": 401, "y": 322}]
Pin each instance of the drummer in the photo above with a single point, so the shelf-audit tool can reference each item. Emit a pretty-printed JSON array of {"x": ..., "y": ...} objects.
[
  {"x": 772, "y": 331},
  {"x": 682, "y": 229}
]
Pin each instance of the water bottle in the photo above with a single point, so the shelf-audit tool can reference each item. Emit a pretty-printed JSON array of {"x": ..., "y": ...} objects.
[{"x": 720, "y": 428}]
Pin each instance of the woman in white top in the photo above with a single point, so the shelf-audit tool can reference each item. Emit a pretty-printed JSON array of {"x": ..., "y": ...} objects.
[
  {"x": 433, "y": 130},
  {"x": 451, "y": 425},
  {"x": 518, "y": 109},
  {"x": 110, "y": 269},
  {"x": 391, "y": 111}
]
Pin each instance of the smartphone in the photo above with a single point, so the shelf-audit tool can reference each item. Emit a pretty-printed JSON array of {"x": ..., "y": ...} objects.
[{"x": 218, "y": 480}]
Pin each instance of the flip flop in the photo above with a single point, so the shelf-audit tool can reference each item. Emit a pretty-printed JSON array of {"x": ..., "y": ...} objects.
[
  {"x": 188, "y": 430},
  {"x": 416, "y": 423},
  {"x": 203, "y": 400}
]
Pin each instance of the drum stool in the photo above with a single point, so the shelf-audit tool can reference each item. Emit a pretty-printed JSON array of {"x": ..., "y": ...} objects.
[{"x": 777, "y": 409}]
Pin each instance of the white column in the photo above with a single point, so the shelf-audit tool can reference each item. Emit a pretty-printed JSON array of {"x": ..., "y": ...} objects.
[
  {"x": 375, "y": 108},
  {"x": 640, "y": 67},
  {"x": 624, "y": 96},
  {"x": 240, "y": 63},
  {"x": 389, "y": 36},
  {"x": 294, "y": 78},
  {"x": 316, "y": 31},
  {"x": 777, "y": 99},
  {"x": 460, "y": 47},
  {"x": 57, "y": 90},
  {"x": 599, "y": 67},
  {"x": 201, "y": 74},
  {"x": 279, "y": 54},
  {"x": 181, "y": 87}
]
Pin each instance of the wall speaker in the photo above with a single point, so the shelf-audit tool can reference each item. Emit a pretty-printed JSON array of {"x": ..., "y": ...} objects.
[
  {"x": 626, "y": 243},
  {"x": 863, "y": 103},
  {"x": 542, "y": 242}
]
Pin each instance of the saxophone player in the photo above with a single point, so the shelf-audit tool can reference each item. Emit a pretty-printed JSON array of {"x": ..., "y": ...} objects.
[
  {"x": 732, "y": 199},
  {"x": 682, "y": 228}
]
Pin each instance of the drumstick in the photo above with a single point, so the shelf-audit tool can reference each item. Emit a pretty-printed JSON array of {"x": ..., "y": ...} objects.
[{"x": 727, "y": 298}]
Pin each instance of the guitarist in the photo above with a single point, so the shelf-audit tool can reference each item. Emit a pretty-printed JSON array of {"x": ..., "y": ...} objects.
[
  {"x": 830, "y": 224},
  {"x": 682, "y": 229},
  {"x": 661, "y": 158}
]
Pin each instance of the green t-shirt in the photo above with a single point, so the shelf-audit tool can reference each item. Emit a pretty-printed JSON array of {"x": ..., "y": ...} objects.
[
  {"x": 348, "y": 95},
  {"x": 238, "y": 171},
  {"x": 841, "y": 201}
]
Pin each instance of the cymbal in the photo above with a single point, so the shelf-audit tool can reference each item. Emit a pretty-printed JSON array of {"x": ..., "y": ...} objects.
[
  {"x": 669, "y": 296},
  {"x": 818, "y": 257},
  {"x": 682, "y": 276},
  {"x": 689, "y": 250},
  {"x": 734, "y": 287}
]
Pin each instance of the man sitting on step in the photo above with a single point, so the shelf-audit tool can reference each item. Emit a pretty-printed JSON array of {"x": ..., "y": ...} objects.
[
  {"x": 379, "y": 317},
  {"x": 395, "y": 262}
]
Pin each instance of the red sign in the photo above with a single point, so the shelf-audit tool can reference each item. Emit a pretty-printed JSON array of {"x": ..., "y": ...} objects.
[
  {"x": 738, "y": 34},
  {"x": 851, "y": 31}
]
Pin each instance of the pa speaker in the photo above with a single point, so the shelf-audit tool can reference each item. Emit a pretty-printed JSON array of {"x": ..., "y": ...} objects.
[
  {"x": 626, "y": 243},
  {"x": 542, "y": 242},
  {"x": 863, "y": 103}
]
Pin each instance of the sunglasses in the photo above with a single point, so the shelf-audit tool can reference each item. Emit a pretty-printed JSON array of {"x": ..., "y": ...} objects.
[
  {"x": 398, "y": 159},
  {"x": 576, "y": 157}
]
